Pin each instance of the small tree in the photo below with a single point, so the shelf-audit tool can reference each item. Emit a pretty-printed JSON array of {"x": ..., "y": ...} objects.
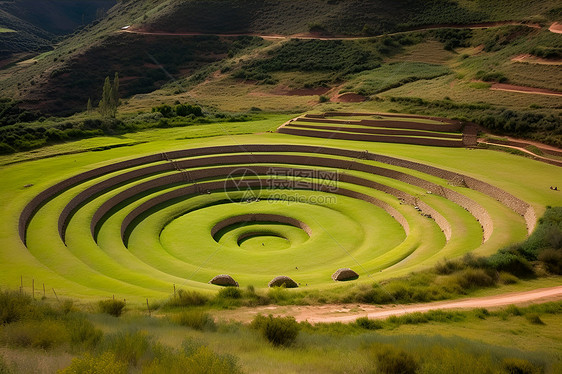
[{"x": 110, "y": 97}]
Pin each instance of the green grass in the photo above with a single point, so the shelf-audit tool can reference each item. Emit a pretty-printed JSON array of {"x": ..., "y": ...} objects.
[
  {"x": 5, "y": 29},
  {"x": 393, "y": 75},
  {"x": 142, "y": 272}
]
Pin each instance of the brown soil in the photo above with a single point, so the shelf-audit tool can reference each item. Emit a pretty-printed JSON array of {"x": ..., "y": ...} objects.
[
  {"x": 349, "y": 97},
  {"x": 524, "y": 89},
  {"x": 556, "y": 28},
  {"x": 535, "y": 60},
  {"x": 350, "y": 312},
  {"x": 286, "y": 91}
]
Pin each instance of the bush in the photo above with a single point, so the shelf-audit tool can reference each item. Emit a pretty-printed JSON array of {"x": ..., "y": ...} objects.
[
  {"x": 83, "y": 333},
  {"x": 187, "y": 298},
  {"x": 103, "y": 364},
  {"x": 35, "y": 334},
  {"x": 474, "y": 278},
  {"x": 230, "y": 293},
  {"x": 519, "y": 366},
  {"x": 112, "y": 307},
  {"x": 280, "y": 331},
  {"x": 534, "y": 318},
  {"x": 129, "y": 347},
  {"x": 166, "y": 110},
  {"x": 184, "y": 110},
  {"x": 15, "y": 306},
  {"x": 552, "y": 258},
  {"x": 195, "y": 319},
  {"x": 391, "y": 360},
  {"x": 198, "y": 360},
  {"x": 508, "y": 260},
  {"x": 368, "y": 324}
]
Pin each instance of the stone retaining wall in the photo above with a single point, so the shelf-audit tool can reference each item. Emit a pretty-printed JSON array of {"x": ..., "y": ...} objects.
[
  {"x": 379, "y": 131},
  {"x": 372, "y": 138},
  {"x": 505, "y": 198}
]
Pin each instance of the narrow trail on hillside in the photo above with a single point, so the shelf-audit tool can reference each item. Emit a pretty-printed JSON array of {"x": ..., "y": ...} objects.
[
  {"x": 524, "y": 89},
  {"x": 483, "y": 25},
  {"x": 534, "y": 155},
  {"x": 346, "y": 313}
]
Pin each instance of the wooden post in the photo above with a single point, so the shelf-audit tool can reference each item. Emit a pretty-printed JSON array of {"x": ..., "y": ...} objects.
[
  {"x": 113, "y": 297},
  {"x": 56, "y": 295},
  {"x": 174, "y": 290},
  {"x": 148, "y": 307},
  {"x": 44, "y": 295},
  {"x": 33, "y": 288}
]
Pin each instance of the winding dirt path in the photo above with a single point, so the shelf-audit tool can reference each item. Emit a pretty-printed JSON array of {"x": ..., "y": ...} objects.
[
  {"x": 483, "y": 25},
  {"x": 346, "y": 313},
  {"x": 524, "y": 89}
]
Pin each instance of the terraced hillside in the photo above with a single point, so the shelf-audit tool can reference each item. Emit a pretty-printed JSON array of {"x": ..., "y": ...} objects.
[
  {"x": 260, "y": 206},
  {"x": 389, "y": 128}
]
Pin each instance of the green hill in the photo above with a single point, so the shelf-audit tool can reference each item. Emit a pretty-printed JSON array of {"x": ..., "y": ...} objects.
[{"x": 37, "y": 22}]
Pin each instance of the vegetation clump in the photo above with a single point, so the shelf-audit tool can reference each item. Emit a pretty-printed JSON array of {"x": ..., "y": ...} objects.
[
  {"x": 279, "y": 331},
  {"x": 112, "y": 307}
]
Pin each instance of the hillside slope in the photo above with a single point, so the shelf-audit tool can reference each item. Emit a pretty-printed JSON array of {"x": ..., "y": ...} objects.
[
  {"x": 62, "y": 80},
  {"x": 337, "y": 17},
  {"x": 36, "y": 22}
]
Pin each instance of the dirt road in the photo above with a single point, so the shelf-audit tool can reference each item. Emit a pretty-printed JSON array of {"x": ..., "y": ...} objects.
[
  {"x": 484, "y": 25},
  {"x": 350, "y": 312}
]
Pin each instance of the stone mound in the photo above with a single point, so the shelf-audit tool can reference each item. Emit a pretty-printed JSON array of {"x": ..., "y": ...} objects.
[
  {"x": 344, "y": 274},
  {"x": 283, "y": 281},
  {"x": 224, "y": 280}
]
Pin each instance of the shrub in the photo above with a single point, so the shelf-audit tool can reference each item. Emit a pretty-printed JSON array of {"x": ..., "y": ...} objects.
[
  {"x": 103, "y": 364},
  {"x": 519, "y": 366},
  {"x": 200, "y": 360},
  {"x": 112, "y": 307},
  {"x": 13, "y": 306},
  {"x": 446, "y": 267},
  {"x": 129, "y": 347},
  {"x": 166, "y": 110},
  {"x": 83, "y": 333},
  {"x": 280, "y": 331},
  {"x": 187, "y": 298},
  {"x": 534, "y": 319},
  {"x": 184, "y": 110},
  {"x": 195, "y": 319},
  {"x": 552, "y": 258},
  {"x": 368, "y": 324},
  {"x": 474, "y": 278},
  {"x": 35, "y": 334},
  {"x": 230, "y": 293},
  {"x": 391, "y": 360},
  {"x": 507, "y": 278},
  {"x": 323, "y": 99},
  {"x": 509, "y": 261}
]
